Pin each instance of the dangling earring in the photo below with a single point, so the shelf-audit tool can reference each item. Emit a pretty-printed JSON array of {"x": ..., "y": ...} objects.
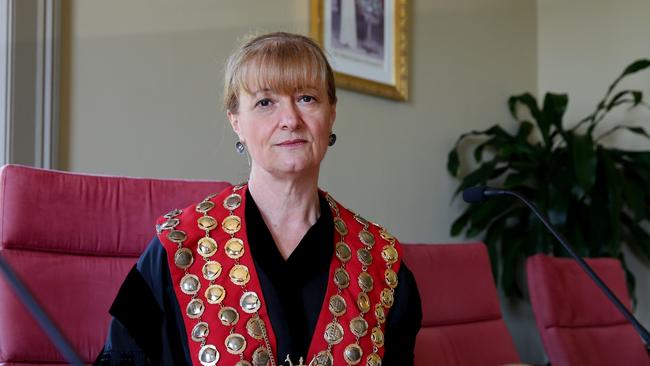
[
  {"x": 332, "y": 139},
  {"x": 240, "y": 147}
]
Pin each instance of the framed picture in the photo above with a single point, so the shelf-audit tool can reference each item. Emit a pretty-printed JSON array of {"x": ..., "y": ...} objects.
[{"x": 366, "y": 42}]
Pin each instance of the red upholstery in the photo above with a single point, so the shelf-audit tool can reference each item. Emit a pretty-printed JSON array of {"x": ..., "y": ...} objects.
[
  {"x": 72, "y": 238},
  {"x": 461, "y": 323},
  {"x": 578, "y": 325}
]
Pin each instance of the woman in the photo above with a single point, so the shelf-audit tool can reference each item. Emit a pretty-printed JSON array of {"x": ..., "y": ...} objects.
[{"x": 273, "y": 271}]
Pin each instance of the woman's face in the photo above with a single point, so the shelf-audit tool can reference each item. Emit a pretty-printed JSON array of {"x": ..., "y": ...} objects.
[{"x": 286, "y": 135}]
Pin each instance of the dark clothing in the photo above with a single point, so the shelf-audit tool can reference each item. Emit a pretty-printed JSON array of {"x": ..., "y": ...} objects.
[{"x": 147, "y": 326}]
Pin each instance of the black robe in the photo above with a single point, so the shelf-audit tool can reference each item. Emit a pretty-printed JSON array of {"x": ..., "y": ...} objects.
[{"x": 147, "y": 326}]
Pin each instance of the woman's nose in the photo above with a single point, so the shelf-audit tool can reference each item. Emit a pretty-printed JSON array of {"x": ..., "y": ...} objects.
[{"x": 289, "y": 117}]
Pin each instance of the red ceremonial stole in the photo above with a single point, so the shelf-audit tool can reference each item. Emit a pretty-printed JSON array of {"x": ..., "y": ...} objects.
[{"x": 221, "y": 299}]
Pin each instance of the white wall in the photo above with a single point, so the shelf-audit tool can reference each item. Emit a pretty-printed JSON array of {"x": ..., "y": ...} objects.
[{"x": 583, "y": 45}]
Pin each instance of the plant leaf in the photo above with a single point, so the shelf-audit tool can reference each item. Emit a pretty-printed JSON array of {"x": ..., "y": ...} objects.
[
  {"x": 632, "y": 68},
  {"x": 583, "y": 153},
  {"x": 453, "y": 162},
  {"x": 531, "y": 103}
]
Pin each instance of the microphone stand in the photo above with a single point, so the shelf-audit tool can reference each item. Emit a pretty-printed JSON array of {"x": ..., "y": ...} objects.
[
  {"x": 39, "y": 315},
  {"x": 638, "y": 327}
]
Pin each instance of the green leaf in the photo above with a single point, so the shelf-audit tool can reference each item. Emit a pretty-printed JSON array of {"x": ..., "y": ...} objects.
[
  {"x": 478, "y": 176},
  {"x": 460, "y": 223},
  {"x": 525, "y": 128},
  {"x": 632, "y": 68},
  {"x": 634, "y": 194},
  {"x": 618, "y": 99},
  {"x": 554, "y": 108},
  {"x": 634, "y": 129},
  {"x": 531, "y": 103},
  {"x": 453, "y": 162},
  {"x": 583, "y": 153}
]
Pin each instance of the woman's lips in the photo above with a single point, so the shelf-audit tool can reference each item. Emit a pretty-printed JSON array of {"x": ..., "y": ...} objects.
[{"x": 292, "y": 143}]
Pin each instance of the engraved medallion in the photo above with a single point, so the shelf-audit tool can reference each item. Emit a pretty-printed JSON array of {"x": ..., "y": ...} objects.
[
  {"x": 261, "y": 357},
  {"x": 386, "y": 235},
  {"x": 373, "y": 360},
  {"x": 173, "y": 213},
  {"x": 211, "y": 270},
  {"x": 331, "y": 202},
  {"x": 177, "y": 236},
  {"x": 200, "y": 332},
  {"x": 377, "y": 337},
  {"x": 322, "y": 358},
  {"x": 234, "y": 248},
  {"x": 391, "y": 278},
  {"x": 389, "y": 253},
  {"x": 204, "y": 206},
  {"x": 254, "y": 327},
  {"x": 231, "y": 224},
  {"x": 380, "y": 314},
  {"x": 367, "y": 238},
  {"x": 337, "y": 305},
  {"x": 365, "y": 282},
  {"x": 232, "y": 202},
  {"x": 343, "y": 251},
  {"x": 363, "y": 302},
  {"x": 340, "y": 226},
  {"x": 183, "y": 258},
  {"x": 333, "y": 333},
  {"x": 208, "y": 355},
  {"x": 195, "y": 308},
  {"x": 364, "y": 256},
  {"x": 353, "y": 354},
  {"x": 239, "y": 275},
  {"x": 341, "y": 278},
  {"x": 243, "y": 363},
  {"x": 228, "y": 316},
  {"x": 206, "y": 222},
  {"x": 235, "y": 343},
  {"x": 250, "y": 302},
  {"x": 169, "y": 224},
  {"x": 206, "y": 247},
  {"x": 190, "y": 284},
  {"x": 387, "y": 298},
  {"x": 215, "y": 294},
  {"x": 361, "y": 220},
  {"x": 359, "y": 326}
]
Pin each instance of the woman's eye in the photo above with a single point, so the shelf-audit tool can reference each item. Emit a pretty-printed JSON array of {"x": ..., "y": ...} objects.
[
  {"x": 263, "y": 102},
  {"x": 307, "y": 99}
]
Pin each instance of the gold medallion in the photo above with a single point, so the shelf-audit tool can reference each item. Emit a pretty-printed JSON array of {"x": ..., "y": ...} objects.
[
  {"x": 243, "y": 363},
  {"x": 235, "y": 344},
  {"x": 231, "y": 224},
  {"x": 364, "y": 256},
  {"x": 322, "y": 358},
  {"x": 333, "y": 333},
  {"x": 337, "y": 305},
  {"x": 341, "y": 278},
  {"x": 261, "y": 357},
  {"x": 204, "y": 206},
  {"x": 206, "y": 222},
  {"x": 239, "y": 275},
  {"x": 173, "y": 213},
  {"x": 183, "y": 258},
  {"x": 367, "y": 238},
  {"x": 387, "y": 298},
  {"x": 331, "y": 202},
  {"x": 170, "y": 224},
  {"x": 206, "y": 247},
  {"x": 208, "y": 355},
  {"x": 377, "y": 337},
  {"x": 228, "y": 316},
  {"x": 365, "y": 282},
  {"x": 200, "y": 332},
  {"x": 250, "y": 302},
  {"x": 353, "y": 354},
  {"x": 177, "y": 236},
  {"x": 232, "y": 202},
  {"x": 190, "y": 284},
  {"x": 211, "y": 270},
  {"x": 215, "y": 294},
  {"x": 359, "y": 326},
  {"x": 363, "y": 302},
  {"x": 361, "y": 220},
  {"x": 389, "y": 253},
  {"x": 380, "y": 314},
  {"x": 195, "y": 308},
  {"x": 254, "y": 327},
  {"x": 340, "y": 226},
  {"x": 373, "y": 360},
  {"x": 386, "y": 235},
  {"x": 234, "y": 248},
  {"x": 391, "y": 278},
  {"x": 343, "y": 251}
]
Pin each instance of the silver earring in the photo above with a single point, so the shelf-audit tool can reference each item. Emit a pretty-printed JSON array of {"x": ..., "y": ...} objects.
[
  {"x": 240, "y": 147},
  {"x": 332, "y": 139}
]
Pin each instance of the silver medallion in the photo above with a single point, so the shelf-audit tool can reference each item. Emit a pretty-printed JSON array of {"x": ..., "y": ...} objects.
[
  {"x": 206, "y": 247},
  {"x": 250, "y": 302},
  {"x": 195, "y": 308},
  {"x": 337, "y": 305},
  {"x": 215, "y": 294},
  {"x": 173, "y": 213},
  {"x": 204, "y": 207},
  {"x": 359, "y": 326},
  {"x": 228, "y": 316},
  {"x": 183, "y": 258},
  {"x": 333, "y": 333},
  {"x": 211, "y": 270},
  {"x": 353, "y": 354},
  {"x": 177, "y": 236},
  {"x": 239, "y": 275},
  {"x": 206, "y": 222},
  {"x": 340, "y": 226},
  {"x": 170, "y": 224},
  {"x": 208, "y": 355},
  {"x": 190, "y": 284},
  {"x": 234, "y": 248},
  {"x": 235, "y": 343},
  {"x": 367, "y": 238},
  {"x": 232, "y": 202},
  {"x": 261, "y": 357},
  {"x": 200, "y": 332},
  {"x": 322, "y": 358},
  {"x": 254, "y": 327}
]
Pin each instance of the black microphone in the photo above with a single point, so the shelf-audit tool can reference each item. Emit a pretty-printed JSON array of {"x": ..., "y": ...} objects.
[{"x": 480, "y": 194}]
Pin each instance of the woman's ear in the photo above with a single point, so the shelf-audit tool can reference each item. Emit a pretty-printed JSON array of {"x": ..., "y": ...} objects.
[{"x": 234, "y": 123}]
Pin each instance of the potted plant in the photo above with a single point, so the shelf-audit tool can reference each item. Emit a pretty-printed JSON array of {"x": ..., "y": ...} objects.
[{"x": 596, "y": 195}]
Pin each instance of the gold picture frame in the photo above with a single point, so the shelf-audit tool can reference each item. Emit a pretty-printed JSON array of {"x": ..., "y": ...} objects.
[{"x": 374, "y": 63}]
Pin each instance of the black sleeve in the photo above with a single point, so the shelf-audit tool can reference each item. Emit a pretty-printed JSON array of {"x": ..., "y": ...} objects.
[
  {"x": 403, "y": 322},
  {"x": 147, "y": 327}
]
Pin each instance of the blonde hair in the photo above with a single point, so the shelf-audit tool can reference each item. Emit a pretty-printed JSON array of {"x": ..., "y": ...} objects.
[{"x": 283, "y": 62}]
